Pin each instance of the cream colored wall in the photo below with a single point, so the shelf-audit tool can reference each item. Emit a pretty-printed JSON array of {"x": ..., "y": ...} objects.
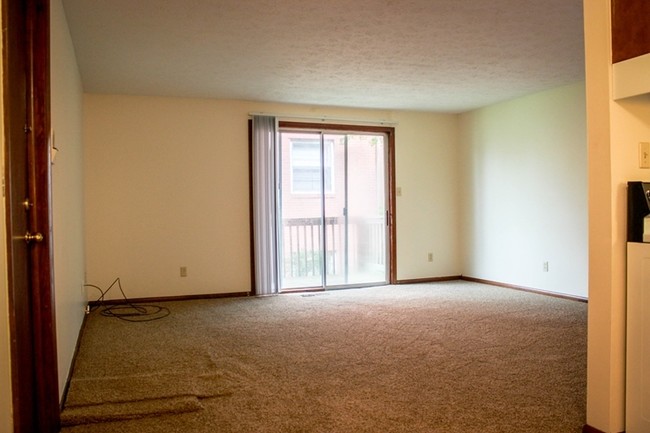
[
  {"x": 614, "y": 130},
  {"x": 524, "y": 191},
  {"x": 605, "y": 401},
  {"x": 6, "y": 415},
  {"x": 630, "y": 120},
  {"x": 167, "y": 186},
  {"x": 67, "y": 190},
  {"x": 428, "y": 213},
  {"x": 605, "y": 356},
  {"x": 631, "y": 78}
]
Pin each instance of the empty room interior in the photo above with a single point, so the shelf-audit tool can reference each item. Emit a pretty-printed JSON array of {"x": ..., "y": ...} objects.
[{"x": 503, "y": 162}]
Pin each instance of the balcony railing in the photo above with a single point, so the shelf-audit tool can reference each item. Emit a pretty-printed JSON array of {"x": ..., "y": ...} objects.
[{"x": 303, "y": 245}]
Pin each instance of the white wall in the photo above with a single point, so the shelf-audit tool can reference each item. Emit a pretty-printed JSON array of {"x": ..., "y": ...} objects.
[
  {"x": 67, "y": 190},
  {"x": 524, "y": 191},
  {"x": 6, "y": 416},
  {"x": 167, "y": 186}
]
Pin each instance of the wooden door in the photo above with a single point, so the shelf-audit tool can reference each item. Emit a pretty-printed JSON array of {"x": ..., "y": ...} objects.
[{"x": 28, "y": 213}]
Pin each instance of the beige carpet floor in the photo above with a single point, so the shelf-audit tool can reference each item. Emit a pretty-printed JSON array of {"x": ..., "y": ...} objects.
[{"x": 438, "y": 358}]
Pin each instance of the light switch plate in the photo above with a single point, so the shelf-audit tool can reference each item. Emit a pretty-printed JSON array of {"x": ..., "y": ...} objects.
[{"x": 644, "y": 154}]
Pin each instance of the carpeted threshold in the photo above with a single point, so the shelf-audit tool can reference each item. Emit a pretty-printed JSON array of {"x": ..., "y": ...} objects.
[{"x": 105, "y": 399}]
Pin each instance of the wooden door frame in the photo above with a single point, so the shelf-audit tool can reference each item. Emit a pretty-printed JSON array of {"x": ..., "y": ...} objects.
[
  {"x": 390, "y": 174},
  {"x": 26, "y": 58}
]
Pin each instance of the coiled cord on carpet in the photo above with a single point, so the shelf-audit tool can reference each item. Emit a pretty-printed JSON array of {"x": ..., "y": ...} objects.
[{"x": 127, "y": 310}]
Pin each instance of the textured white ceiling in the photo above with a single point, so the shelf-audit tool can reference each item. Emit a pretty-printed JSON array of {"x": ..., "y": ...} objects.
[{"x": 434, "y": 55}]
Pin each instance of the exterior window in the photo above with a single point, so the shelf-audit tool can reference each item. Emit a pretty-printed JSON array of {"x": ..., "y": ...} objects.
[{"x": 305, "y": 166}]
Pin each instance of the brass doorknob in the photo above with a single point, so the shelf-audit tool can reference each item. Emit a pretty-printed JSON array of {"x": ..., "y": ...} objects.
[{"x": 35, "y": 237}]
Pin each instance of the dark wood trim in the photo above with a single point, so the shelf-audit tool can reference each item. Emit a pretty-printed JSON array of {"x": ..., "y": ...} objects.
[
  {"x": 392, "y": 209},
  {"x": 524, "y": 289},
  {"x": 26, "y": 59},
  {"x": 428, "y": 280},
  {"x": 335, "y": 127},
  {"x": 589, "y": 429},
  {"x": 169, "y": 298},
  {"x": 630, "y": 30},
  {"x": 40, "y": 176},
  {"x": 15, "y": 88},
  {"x": 250, "y": 203}
]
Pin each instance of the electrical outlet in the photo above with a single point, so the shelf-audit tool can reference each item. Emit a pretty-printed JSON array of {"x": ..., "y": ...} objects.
[
  {"x": 430, "y": 257},
  {"x": 545, "y": 266},
  {"x": 183, "y": 271}
]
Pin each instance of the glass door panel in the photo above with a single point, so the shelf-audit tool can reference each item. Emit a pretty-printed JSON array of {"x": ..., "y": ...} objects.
[
  {"x": 301, "y": 210},
  {"x": 365, "y": 211}
]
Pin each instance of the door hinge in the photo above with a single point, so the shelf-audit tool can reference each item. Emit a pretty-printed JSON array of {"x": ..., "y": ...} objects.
[{"x": 27, "y": 129}]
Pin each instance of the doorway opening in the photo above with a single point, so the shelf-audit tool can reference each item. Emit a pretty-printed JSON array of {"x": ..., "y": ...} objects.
[{"x": 335, "y": 206}]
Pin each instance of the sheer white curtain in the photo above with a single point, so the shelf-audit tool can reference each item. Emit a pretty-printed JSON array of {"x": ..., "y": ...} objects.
[{"x": 264, "y": 204}]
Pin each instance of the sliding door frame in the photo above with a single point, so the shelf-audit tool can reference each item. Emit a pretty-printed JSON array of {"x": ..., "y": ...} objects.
[{"x": 390, "y": 175}]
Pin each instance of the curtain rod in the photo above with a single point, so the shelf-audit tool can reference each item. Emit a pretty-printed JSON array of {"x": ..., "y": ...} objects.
[{"x": 324, "y": 118}]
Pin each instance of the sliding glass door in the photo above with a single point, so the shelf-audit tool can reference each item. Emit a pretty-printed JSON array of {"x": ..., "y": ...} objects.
[{"x": 333, "y": 201}]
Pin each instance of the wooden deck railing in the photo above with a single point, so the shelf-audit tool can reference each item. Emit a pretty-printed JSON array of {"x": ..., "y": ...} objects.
[{"x": 303, "y": 245}]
